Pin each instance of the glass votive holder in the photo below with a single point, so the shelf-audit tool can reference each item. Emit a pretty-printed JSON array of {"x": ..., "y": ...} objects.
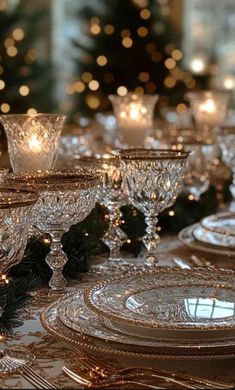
[
  {"x": 33, "y": 140},
  {"x": 134, "y": 115}
]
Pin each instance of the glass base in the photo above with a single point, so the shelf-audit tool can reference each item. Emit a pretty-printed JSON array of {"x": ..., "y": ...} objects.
[{"x": 110, "y": 268}]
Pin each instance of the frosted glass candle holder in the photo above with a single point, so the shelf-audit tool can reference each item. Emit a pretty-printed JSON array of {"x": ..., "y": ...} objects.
[
  {"x": 33, "y": 140},
  {"x": 134, "y": 115}
]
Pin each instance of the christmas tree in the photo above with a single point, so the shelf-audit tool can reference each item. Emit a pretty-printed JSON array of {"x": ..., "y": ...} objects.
[
  {"x": 25, "y": 78},
  {"x": 127, "y": 46}
]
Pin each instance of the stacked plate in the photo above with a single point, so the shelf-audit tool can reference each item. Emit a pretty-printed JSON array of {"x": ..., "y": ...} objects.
[
  {"x": 214, "y": 234},
  {"x": 159, "y": 314}
]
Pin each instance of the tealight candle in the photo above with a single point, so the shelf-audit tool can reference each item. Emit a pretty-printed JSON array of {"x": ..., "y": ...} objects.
[
  {"x": 33, "y": 140},
  {"x": 134, "y": 115}
]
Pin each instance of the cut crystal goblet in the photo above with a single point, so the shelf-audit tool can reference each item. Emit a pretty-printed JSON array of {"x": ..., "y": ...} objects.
[
  {"x": 111, "y": 194},
  {"x": 227, "y": 145},
  {"x": 152, "y": 180},
  {"x": 65, "y": 198},
  {"x": 16, "y": 208},
  {"x": 33, "y": 140}
]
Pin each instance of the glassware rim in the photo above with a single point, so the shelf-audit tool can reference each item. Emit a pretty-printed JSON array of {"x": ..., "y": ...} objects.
[
  {"x": 204, "y": 92},
  {"x": 7, "y": 203},
  {"x": 161, "y": 154},
  {"x": 39, "y": 114},
  {"x": 52, "y": 180}
]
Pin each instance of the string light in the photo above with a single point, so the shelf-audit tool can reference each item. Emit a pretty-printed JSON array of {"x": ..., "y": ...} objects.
[
  {"x": 70, "y": 89},
  {"x": 169, "y": 82},
  {"x": 139, "y": 90},
  {"x": 150, "y": 87},
  {"x": 122, "y": 91},
  {"x": 2, "y": 84},
  {"x": 5, "y": 108},
  {"x": 109, "y": 29},
  {"x": 87, "y": 77},
  {"x": 170, "y": 63},
  {"x": 177, "y": 54},
  {"x": 18, "y": 34},
  {"x": 8, "y": 42},
  {"x": 1, "y": 69},
  {"x": 171, "y": 213},
  {"x": 101, "y": 60},
  {"x": 93, "y": 101},
  {"x": 127, "y": 42},
  {"x": 144, "y": 77},
  {"x": 33, "y": 111},
  {"x": 12, "y": 51},
  {"x": 145, "y": 14},
  {"x": 181, "y": 108},
  {"x": 3, "y": 5},
  {"x": 93, "y": 85},
  {"x": 125, "y": 33},
  {"x": 95, "y": 29},
  {"x": 142, "y": 31},
  {"x": 24, "y": 90},
  {"x": 79, "y": 86}
]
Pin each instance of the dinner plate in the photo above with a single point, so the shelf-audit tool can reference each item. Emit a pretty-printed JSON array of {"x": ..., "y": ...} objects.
[
  {"x": 187, "y": 238},
  {"x": 169, "y": 302},
  {"x": 213, "y": 238},
  {"x": 52, "y": 323},
  {"x": 221, "y": 223}
]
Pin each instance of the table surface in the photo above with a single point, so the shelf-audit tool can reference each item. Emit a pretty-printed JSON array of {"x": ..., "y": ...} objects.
[{"x": 52, "y": 354}]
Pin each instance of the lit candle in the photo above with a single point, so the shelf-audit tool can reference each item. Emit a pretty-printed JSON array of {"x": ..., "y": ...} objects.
[{"x": 134, "y": 114}]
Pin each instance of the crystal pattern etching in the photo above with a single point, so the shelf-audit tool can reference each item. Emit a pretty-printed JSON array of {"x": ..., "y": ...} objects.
[
  {"x": 153, "y": 180},
  {"x": 33, "y": 140},
  {"x": 227, "y": 145}
]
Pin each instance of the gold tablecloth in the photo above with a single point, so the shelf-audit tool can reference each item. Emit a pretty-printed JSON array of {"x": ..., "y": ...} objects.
[{"x": 52, "y": 354}]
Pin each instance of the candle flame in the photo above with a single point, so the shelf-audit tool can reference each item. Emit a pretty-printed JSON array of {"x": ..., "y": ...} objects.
[
  {"x": 35, "y": 144},
  {"x": 208, "y": 106}
]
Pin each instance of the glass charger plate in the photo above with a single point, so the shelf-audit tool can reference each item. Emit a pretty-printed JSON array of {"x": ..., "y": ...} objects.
[
  {"x": 221, "y": 223},
  {"x": 186, "y": 237},
  {"x": 52, "y": 323},
  {"x": 169, "y": 301},
  {"x": 215, "y": 239},
  {"x": 74, "y": 314}
]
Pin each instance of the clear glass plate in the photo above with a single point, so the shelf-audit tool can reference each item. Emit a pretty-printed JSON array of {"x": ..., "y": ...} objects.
[
  {"x": 52, "y": 323},
  {"x": 212, "y": 238},
  {"x": 186, "y": 237},
  {"x": 221, "y": 223},
  {"x": 200, "y": 300}
]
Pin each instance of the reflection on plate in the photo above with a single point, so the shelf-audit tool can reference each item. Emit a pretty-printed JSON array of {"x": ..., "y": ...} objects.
[
  {"x": 222, "y": 223},
  {"x": 187, "y": 238},
  {"x": 212, "y": 238},
  {"x": 54, "y": 326},
  {"x": 199, "y": 300}
]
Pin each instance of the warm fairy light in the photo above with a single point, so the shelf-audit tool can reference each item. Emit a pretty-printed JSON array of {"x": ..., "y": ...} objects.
[
  {"x": 70, "y": 89},
  {"x": 101, "y": 60},
  {"x": 229, "y": 82},
  {"x": 35, "y": 144},
  {"x": 169, "y": 48},
  {"x": 12, "y": 51},
  {"x": 191, "y": 197},
  {"x": 170, "y": 63},
  {"x": 150, "y": 87},
  {"x": 142, "y": 31},
  {"x": 2, "y": 84},
  {"x": 190, "y": 82},
  {"x": 8, "y": 42},
  {"x": 32, "y": 55},
  {"x": 32, "y": 111},
  {"x": 109, "y": 29},
  {"x": 150, "y": 47},
  {"x": 171, "y": 213},
  {"x": 181, "y": 108},
  {"x": 5, "y": 108},
  {"x": 145, "y": 14},
  {"x": 208, "y": 106},
  {"x": 122, "y": 91},
  {"x": 144, "y": 77},
  {"x": 79, "y": 86},
  {"x": 139, "y": 90},
  {"x": 197, "y": 65},
  {"x": 3, "y": 5},
  {"x": 169, "y": 82},
  {"x": 159, "y": 228},
  {"x": 156, "y": 56},
  {"x": 92, "y": 101},
  {"x": 127, "y": 42},
  {"x": 125, "y": 33},
  {"x": 1, "y": 69},
  {"x": 87, "y": 77},
  {"x": 18, "y": 34},
  {"x": 24, "y": 90},
  {"x": 177, "y": 54},
  {"x": 93, "y": 85},
  {"x": 95, "y": 20},
  {"x": 46, "y": 241},
  {"x": 95, "y": 29}
]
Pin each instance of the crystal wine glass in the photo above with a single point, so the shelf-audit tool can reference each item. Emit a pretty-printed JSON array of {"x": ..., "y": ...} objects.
[
  {"x": 65, "y": 198},
  {"x": 152, "y": 179},
  {"x": 15, "y": 218},
  {"x": 134, "y": 115},
  {"x": 113, "y": 197},
  {"x": 33, "y": 140},
  {"x": 227, "y": 145}
]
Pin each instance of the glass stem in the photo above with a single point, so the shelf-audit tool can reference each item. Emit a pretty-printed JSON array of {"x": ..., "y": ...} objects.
[
  {"x": 115, "y": 237},
  {"x": 56, "y": 259},
  {"x": 151, "y": 240}
]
